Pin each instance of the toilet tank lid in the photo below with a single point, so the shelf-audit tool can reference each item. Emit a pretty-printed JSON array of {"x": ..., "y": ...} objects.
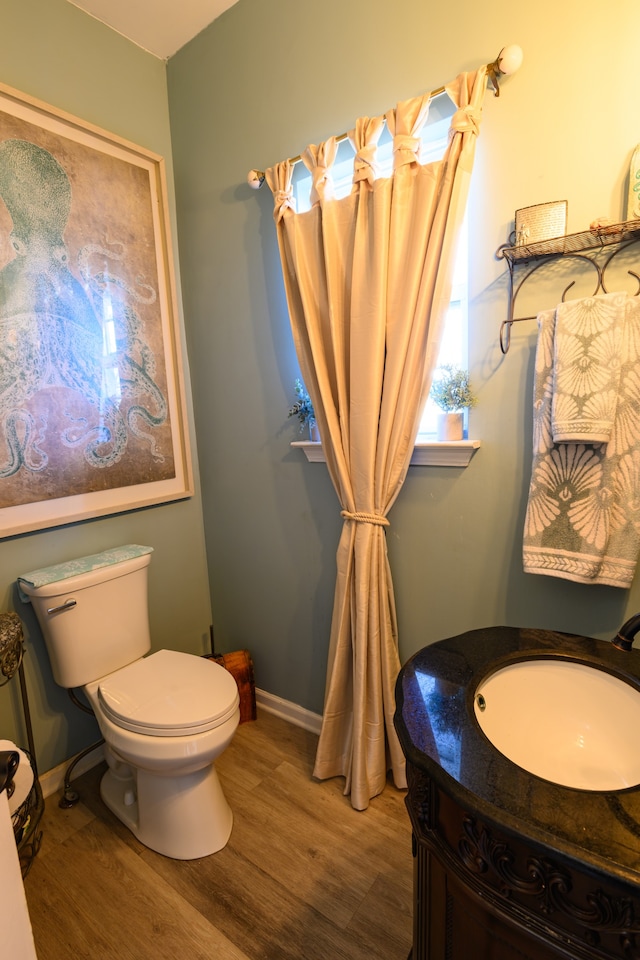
[
  {"x": 169, "y": 693},
  {"x": 71, "y": 568}
]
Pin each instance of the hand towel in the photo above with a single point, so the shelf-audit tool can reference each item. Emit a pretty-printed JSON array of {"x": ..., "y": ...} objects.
[
  {"x": 587, "y": 359},
  {"x": 583, "y": 512}
]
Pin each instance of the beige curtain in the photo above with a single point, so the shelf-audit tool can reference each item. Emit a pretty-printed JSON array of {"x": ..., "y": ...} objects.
[{"x": 367, "y": 279}]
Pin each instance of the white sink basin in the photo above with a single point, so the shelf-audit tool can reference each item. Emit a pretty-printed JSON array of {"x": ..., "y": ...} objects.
[{"x": 564, "y": 721}]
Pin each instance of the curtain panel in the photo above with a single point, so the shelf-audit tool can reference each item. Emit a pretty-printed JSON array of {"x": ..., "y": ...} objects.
[{"x": 368, "y": 282}]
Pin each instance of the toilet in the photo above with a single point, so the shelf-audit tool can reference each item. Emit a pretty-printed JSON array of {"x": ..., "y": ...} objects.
[{"x": 165, "y": 716}]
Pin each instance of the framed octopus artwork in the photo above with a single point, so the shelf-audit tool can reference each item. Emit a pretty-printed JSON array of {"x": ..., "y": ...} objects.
[{"x": 92, "y": 408}]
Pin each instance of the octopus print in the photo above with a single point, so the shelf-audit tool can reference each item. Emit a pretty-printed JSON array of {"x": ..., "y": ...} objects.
[{"x": 83, "y": 402}]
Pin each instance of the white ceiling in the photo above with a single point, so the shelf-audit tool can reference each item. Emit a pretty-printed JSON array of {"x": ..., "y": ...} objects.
[{"x": 159, "y": 26}]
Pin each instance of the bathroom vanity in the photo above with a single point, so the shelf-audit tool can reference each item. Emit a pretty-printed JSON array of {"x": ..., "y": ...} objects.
[{"x": 508, "y": 865}]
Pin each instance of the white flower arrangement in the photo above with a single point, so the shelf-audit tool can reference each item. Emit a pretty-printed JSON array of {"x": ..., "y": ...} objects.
[
  {"x": 451, "y": 390},
  {"x": 303, "y": 407}
]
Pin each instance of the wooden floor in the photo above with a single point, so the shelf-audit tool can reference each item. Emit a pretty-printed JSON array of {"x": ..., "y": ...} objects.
[{"x": 303, "y": 877}]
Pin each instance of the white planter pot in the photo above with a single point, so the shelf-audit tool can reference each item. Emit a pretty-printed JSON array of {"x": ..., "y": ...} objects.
[{"x": 450, "y": 426}]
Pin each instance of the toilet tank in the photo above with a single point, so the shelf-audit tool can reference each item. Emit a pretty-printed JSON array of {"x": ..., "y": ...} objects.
[{"x": 94, "y": 622}]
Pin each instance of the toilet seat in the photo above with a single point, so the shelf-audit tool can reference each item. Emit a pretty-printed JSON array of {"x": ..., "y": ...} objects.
[{"x": 169, "y": 694}]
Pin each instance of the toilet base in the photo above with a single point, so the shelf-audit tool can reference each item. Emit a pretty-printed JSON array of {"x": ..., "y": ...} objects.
[{"x": 182, "y": 817}]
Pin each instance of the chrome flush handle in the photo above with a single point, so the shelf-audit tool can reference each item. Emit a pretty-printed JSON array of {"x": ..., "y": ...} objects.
[{"x": 67, "y": 605}]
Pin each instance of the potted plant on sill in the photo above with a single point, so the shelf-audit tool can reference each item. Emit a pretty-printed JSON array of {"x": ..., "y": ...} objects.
[
  {"x": 303, "y": 410},
  {"x": 451, "y": 392}
]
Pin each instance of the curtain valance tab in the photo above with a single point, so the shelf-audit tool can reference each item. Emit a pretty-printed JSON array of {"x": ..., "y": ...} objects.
[
  {"x": 406, "y": 150},
  {"x": 466, "y": 120},
  {"x": 507, "y": 62},
  {"x": 405, "y": 124},
  {"x": 285, "y": 198},
  {"x": 279, "y": 180},
  {"x": 364, "y": 164},
  {"x": 364, "y": 140},
  {"x": 318, "y": 161}
]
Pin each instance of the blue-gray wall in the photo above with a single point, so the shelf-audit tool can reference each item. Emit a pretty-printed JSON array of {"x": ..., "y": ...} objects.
[
  {"x": 258, "y": 85},
  {"x": 52, "y": 51}
]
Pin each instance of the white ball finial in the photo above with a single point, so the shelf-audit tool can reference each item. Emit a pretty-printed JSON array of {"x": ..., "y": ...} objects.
[
  {"x": 510, "y": 59},
  {"x": 255, "y": 179}
]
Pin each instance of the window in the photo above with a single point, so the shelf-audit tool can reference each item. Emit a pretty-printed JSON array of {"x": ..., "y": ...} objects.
[{"x": 453, "y": 349}]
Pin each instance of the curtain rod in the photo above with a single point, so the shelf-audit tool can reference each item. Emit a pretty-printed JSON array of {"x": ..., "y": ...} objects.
[{"x": 507, "y": 62}]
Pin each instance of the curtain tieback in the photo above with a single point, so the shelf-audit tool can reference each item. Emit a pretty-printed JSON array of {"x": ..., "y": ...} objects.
[{"x": 376, "y": 518}]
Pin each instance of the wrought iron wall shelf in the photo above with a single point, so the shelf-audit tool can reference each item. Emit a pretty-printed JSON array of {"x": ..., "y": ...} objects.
[{"x": 597, "y": 247}]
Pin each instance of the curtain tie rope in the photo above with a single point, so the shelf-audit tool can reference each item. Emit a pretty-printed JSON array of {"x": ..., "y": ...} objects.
[{"x": 376, "y": 518}]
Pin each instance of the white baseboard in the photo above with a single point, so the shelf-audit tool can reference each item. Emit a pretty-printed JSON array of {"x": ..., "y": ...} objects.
[
  {"x": 53, "y": 780},
  {"x": 299, "y": 716}
]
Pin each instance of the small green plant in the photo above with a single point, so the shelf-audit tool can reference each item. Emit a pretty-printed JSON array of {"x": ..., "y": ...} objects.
[
  {"x": 451, "y": 390},
  {"x": 303, "y": 407}
]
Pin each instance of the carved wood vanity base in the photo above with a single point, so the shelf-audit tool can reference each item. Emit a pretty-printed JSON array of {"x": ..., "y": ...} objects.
[
  {"x": 508, "y": 866},
  {"x": 484, "y": 894}
]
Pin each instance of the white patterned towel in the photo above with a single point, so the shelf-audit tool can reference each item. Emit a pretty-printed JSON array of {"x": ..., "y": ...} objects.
[
  {"x": 587, "y": 347},
  {"x": 583, "y": 512}
]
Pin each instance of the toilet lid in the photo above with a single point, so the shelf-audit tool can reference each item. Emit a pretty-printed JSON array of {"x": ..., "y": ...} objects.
[{"x": 169, "y": 694}]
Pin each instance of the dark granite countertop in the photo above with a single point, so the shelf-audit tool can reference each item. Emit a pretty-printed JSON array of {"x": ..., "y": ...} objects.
[{"x": 439, "y": 734}]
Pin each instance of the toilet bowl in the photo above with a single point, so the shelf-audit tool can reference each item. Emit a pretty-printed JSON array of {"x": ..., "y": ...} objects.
[{"x": 165, "y": 717}]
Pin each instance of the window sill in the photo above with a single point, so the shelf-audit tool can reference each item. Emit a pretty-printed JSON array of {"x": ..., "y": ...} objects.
[{"x": 431, "y": 453}]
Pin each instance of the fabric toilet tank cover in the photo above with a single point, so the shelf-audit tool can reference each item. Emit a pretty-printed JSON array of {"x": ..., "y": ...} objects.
[{"x": 72, "y": 568}]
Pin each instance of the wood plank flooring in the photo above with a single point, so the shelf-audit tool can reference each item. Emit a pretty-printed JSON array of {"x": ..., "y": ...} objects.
[{"x": 303, "y": 877}]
